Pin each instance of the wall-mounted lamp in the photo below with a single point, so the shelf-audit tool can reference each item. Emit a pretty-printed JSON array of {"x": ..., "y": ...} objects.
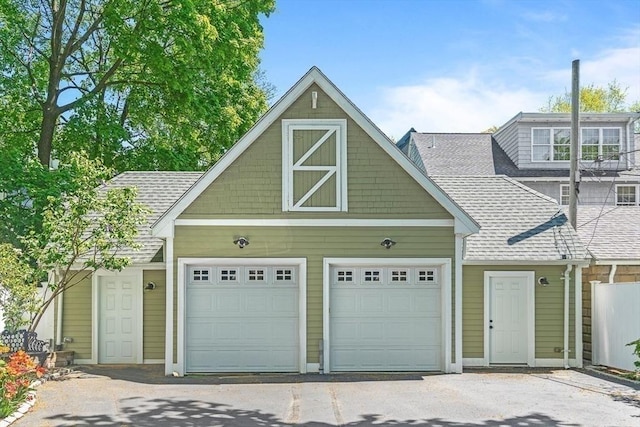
[
  {"x": 150, "y": 286},
  {"x": 543, "y": 281},
  {"x": 387, "y": 243},
  {"x": 241, "y": 242}
]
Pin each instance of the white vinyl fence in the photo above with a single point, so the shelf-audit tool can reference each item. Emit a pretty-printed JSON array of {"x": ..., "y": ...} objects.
[{"x": 615, "y": 322}]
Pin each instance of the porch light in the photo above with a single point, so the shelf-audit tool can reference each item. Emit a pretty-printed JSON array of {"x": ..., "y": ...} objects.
[
  {"x": 387, "y": 243},
  {"x": 543, "y": 281},
  {"x": 241, "y": 242}
]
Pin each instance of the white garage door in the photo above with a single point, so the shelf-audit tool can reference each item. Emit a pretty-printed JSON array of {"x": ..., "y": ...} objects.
[
  {"x": 385, "y": 319},
  {"x": 242, "y": 319}
]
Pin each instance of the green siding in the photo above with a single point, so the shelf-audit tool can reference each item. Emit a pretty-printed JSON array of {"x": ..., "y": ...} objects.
[
  {"x": 154, "y": 315},
  {"x": 377, "y": 186},
  {"x": 549, "y": 310},
  {"x": 314, "y": 244},
  {"x": 76, "y": 318}
]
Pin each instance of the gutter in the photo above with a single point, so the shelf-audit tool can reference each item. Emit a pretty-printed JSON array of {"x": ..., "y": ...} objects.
[
  {"x": 612, "y": 272},
  {"x": 567, "y": 278},
  {"x": 629, "y": 136}
]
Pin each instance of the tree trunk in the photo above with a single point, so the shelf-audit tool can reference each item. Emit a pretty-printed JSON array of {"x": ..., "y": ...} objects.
[{"x": 47, "y": 129}]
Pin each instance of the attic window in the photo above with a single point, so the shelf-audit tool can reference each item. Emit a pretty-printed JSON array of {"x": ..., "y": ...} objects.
[{"x": 314, "y": 176}]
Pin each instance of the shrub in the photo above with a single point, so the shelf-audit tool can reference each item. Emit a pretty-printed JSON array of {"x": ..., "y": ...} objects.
[
  {"x": 16, "y": 377},
  {"x": 636, "y": 351}
]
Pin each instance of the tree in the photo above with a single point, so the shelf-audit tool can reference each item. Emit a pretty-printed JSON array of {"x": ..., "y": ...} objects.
[
  {"x": 17, "y": 288},
  {"x": 139, "y": 84},
  {"x": 81, "y": 230},
  {"x": 593, "y": 99}
]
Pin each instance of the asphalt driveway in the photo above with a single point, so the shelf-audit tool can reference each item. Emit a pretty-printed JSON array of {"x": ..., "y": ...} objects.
[{"x": 143, "y": 397}]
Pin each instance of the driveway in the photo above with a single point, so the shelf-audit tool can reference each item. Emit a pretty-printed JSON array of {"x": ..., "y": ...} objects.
[{"x": 103, "y": 396}]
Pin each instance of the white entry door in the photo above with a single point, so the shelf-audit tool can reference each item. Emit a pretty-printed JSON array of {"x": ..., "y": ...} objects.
[
  {"x": 508, "y": 319},
  {"x": 118, "y": 324}
]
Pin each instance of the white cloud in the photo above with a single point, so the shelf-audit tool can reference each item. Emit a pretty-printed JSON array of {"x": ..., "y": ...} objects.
[
  {"x": 474, "y": 101},
  {"x": 451, "y": 104}
]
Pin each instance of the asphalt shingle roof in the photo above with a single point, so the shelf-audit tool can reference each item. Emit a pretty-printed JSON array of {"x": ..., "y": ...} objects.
[
  {"x": 455, "y": 153},
  {"x": 158, "y": 191},
  {"x": 610, "y": 232},
  {"x": 505, "y": 208}
]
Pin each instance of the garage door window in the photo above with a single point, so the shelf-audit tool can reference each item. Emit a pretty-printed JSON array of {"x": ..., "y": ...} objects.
[
  {"x": 256, "y": 275},
  {"x": 399, "y": 276},
  {"x": 427, "y": 277},
  {"x": 228, "y": 275},
  {"x": 284, "y": 275},
  {"x": 371, "y": 276},
  {"x": 344, "y": 275},
  {"x": 200, "y": 275}
]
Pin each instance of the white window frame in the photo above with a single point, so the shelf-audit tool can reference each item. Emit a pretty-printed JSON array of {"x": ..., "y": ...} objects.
[
  {"x": 192, "y": 274},
  {"x": 275, "y": 275},
  {"x": 601, "y": 143},
  {"x": 337, "y": 127},
  {"x": 636, "y": 195},
  {"x": 550, "y": 144},
  {"x": 265, "y": 275},
  {"x": 427, "y": 282},
  {"x": 375, "y": 272},
  {"x": 564, "y": 188}
]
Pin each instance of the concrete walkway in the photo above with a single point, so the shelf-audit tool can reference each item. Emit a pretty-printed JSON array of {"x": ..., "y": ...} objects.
[{"x": 130, "y": 396}]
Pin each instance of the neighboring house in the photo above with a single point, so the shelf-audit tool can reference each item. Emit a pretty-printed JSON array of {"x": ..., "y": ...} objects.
[
  {"x": 315, "y": 245},
  {"x": 533, "y": 148},
  {"x": 612, "y": 234}
]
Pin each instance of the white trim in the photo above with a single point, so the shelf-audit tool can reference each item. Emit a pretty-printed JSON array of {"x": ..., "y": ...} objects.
[
  {"x": 168, "y": 338},
  {"x": 620, "y": 178},
  {"x": 618, "y": 262},
  {"x": 313, "y": 368},
  {"x": 95, "y": 308},
  {"x": 300, "y": 263},
  {"x": 562, "y": 187},
  {"x": 331, "y": 126},
  {"x": 530, "y": 307},
  {"x": 579, "y": 263},
  {"x": 445, "y": 290},
  {"x": 463, "y": 222},
  {"x": 345, "y": 222},
  {"x": 473, "y": 361},
  {"x": 459, "y": 244}
]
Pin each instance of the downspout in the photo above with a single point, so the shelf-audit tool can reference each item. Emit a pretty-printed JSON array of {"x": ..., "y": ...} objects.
[
  {"x": 612, "y": 272},
  {"x": 567, "y": 281}
]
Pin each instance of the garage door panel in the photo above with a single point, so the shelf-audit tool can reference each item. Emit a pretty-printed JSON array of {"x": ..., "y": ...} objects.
[
  {"x": 244, "y": 327},
  {"x": 386, "y": 326}
]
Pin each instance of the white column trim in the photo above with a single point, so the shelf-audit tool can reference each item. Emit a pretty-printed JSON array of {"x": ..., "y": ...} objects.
[
  {"x": 169, "y": 303},
  {"x": 457, "y": 367}
]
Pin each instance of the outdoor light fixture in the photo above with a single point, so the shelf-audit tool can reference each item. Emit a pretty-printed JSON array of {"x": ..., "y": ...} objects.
[
  {"x": 543, "y": 281},
  {"x": 150, "y": 286},
  {"x": 387, "y": 243},
  {"x": 241, "y": 242}
]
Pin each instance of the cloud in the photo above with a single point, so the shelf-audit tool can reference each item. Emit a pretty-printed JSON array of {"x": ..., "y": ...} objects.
[
  {"x": 451, "y": 104},
  {"x": 546, "y": 16},
  {"x": 476, "y": 99}
]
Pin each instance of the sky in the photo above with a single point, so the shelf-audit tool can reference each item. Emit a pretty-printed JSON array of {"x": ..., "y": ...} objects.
[{"x": 452, "y": 65}]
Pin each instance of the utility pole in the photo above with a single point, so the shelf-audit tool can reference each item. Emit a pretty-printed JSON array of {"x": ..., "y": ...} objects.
[{"x": 574, "y": 173}]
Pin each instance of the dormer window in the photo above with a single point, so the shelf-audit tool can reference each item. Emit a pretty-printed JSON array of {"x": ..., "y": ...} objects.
[
  {"x": 550, "y": 144},
  {"x": 600, "y": 144},
  {"x": 314, "y": 176}
]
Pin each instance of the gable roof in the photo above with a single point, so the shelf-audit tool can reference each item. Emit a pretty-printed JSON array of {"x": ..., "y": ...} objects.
[
  {"x": 463, "y": 222},
  {"x": 453, "y": 153},
  {"x": 505, "y": 208},
  {"x": 611, "y": 233},
  {"x": 158, "y": 191}
]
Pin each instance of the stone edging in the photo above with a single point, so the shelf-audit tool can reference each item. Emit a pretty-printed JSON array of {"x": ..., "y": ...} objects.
[{"x": 32, "y": 397}]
